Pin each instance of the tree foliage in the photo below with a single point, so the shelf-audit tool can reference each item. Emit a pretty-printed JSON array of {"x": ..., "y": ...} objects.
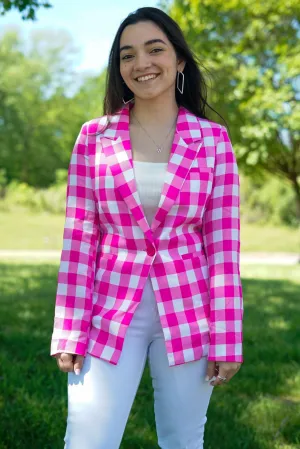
[
  {"x": 252, "y": 50},
  {"x": 40, "y": 120},
  {"x": 27, "y": 7}
]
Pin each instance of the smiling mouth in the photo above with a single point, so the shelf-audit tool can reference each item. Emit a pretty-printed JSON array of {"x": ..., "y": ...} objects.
[{"x": 144, "y": 79}]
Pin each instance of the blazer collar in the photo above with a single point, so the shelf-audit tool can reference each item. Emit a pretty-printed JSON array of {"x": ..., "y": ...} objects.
[
  {"x": 187, "y": 127},
  {"x": 115, "y": 142}
]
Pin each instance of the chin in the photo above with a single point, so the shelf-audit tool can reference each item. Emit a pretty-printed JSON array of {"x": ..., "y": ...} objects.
[{"x": 149, "y": 96}]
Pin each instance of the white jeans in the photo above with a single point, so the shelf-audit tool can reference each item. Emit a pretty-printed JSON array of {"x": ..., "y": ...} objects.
[{"x": 101, "y": 397}]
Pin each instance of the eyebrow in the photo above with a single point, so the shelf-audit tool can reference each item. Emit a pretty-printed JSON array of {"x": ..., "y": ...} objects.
[{"x": 150, "y": 42}]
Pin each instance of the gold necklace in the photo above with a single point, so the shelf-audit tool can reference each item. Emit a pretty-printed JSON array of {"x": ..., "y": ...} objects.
[{"x": 158, "y": 147}]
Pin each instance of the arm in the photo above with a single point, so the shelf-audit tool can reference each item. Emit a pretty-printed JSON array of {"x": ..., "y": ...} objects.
[
  {"x": 221, "y": 236},
  {"x": 76, "y": 273}
]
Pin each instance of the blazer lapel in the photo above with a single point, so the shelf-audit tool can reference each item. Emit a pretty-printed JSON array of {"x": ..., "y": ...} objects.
[{"x": 117, "y": 149}]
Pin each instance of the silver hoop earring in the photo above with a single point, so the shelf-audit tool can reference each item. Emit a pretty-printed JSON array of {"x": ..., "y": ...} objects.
[
  {"x": 182, "y": 82},
  {"x": 126, "y": 102}
]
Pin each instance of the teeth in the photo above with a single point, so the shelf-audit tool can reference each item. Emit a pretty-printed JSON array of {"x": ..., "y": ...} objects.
[{"x": 146, "y": 78}]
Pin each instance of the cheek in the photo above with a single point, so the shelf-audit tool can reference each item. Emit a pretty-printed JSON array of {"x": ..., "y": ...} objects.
[
  {"x": 124, "y": 70},
  {"x": 171, "y": 66},
  {"x": 171, "y": 73}
]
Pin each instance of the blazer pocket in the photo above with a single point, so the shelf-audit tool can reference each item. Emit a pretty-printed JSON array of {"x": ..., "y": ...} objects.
[
  {"x": 201, "y": 169},
  {"x": 107, "y": 256},
  {"x": 188, "y": 256},
  {"x": 198, "y": 255}
]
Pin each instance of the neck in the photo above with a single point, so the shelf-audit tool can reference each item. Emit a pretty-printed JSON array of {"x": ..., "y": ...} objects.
[{"x": 159, "y": 112}]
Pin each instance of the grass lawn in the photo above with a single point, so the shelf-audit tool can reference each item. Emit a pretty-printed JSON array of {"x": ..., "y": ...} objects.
[
  {"x": 269, "y": 238},
  {"x": 23, "y": 230},
  {"x": 259, "y": 409}
]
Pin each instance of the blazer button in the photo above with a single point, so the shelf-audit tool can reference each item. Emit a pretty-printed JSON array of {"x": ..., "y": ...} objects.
[{"x": 150, "y": 251}]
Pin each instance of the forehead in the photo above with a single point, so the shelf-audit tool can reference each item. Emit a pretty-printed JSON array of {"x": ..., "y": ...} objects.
[{"x": 141, "y": 32}]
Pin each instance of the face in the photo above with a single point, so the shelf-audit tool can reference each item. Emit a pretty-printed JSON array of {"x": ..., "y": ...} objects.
[{"x": 148, "y": 62}]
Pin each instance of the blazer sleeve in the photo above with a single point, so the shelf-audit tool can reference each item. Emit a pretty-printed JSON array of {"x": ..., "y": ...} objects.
[
  {"x": 73, "y": 307},
  {"x": 221, "y": 236}
]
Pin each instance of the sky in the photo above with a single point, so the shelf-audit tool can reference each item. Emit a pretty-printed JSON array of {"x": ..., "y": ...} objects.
[{"x": 92, "y": 23}]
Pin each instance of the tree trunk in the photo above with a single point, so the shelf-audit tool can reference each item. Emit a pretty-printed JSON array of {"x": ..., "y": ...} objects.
[
  {"x": 25, "y": 161},
  {"x": 296, "y": 187}
]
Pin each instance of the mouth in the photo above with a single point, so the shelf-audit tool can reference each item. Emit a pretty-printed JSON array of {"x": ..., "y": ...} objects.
[{"x": 147, "y": 78}]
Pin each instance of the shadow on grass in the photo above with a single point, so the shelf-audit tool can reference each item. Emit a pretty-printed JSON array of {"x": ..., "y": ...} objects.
[{"x": 259, "y": 409}]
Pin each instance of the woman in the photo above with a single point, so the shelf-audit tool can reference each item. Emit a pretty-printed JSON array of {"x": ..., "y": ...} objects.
[{"x": 150, "y": 262}]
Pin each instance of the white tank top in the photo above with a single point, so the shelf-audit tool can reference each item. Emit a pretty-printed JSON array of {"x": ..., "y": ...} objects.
[{"x": 149, "y": 178}]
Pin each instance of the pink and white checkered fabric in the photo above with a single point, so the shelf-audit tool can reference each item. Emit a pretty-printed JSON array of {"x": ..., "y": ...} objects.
[{"x": 191, "y": 249}]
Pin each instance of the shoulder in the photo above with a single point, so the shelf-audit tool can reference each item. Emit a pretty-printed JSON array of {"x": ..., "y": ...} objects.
[
  {"x": 209, "y": 125},
  {"x": 206, "y": 127},
  {"x": 214, "y": 132},
  {"x": 212, "y": 129},
  {"x": 103, "y": 125}
]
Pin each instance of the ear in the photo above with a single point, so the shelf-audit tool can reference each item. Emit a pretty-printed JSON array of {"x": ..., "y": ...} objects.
[{"x": 180, "y": 65}]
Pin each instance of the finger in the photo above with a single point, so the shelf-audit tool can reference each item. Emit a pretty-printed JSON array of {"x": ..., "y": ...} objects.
[
  {"x": 78, "y": 364},
  {"x": 210, "y": 371},
  {"x": 228, "y": 371},
  {"x": 217, "y": 381},
  {"x": 222, "y": 373},
  {"x": 65, "y": 362},
  {"x": 64, "y": 366}
]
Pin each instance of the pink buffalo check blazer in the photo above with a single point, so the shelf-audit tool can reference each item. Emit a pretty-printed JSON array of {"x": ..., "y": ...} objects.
[{"x": 191, "y": 250}]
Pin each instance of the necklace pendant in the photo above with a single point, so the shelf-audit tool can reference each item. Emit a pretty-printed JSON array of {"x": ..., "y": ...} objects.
[{"x": 159, "y": 150}]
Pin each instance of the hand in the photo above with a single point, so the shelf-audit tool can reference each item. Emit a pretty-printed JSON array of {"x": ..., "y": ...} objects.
[
  {"x": 223, "y": 369},
  {"x": 69, "y": 362}
]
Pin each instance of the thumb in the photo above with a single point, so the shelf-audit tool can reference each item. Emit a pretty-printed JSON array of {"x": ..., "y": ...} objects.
[
  {"x": 210, "y": 372},
  {"x": 78, "y": 363},
  {"x": 65, "y": 357}
]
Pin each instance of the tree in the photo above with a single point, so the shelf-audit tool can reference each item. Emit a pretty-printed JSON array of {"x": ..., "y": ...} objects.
[
  {"x": 253, "y": 51},
  {"x": 28, "y": 7},
  {"x": 35, "y": 129},
  {"x": 40, "y": 116}
]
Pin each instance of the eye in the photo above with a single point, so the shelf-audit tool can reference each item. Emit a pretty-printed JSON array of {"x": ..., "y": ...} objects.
[
  {"x": 126, "y": 57},
  {"x": 156, "y": 50}
]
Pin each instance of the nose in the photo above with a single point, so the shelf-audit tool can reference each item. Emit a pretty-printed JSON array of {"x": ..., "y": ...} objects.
[{"x": 142, "y": 62}]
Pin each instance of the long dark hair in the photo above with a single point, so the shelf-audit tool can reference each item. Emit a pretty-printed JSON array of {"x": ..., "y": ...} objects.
[{"x": 194, "y": 97}]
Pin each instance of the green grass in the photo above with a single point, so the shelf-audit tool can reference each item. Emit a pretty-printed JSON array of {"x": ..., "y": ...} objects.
[
  {"x": 266, "y": 238},
  {"x": 23, "y": 230},
  {"x": 258, "y": 409}
]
